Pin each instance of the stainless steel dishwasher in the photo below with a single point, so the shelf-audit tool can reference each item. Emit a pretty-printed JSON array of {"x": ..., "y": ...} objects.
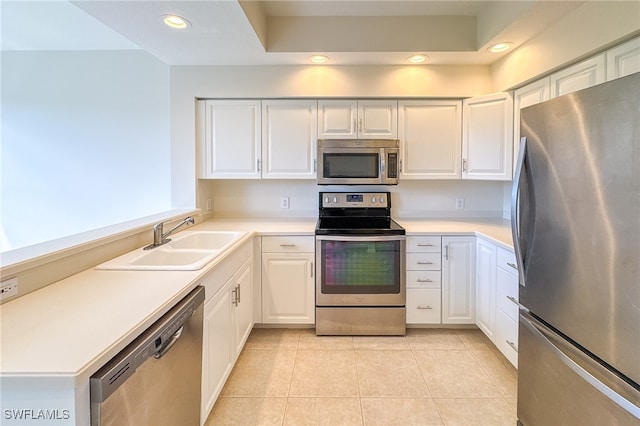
[{"x": 156, "y": 379}]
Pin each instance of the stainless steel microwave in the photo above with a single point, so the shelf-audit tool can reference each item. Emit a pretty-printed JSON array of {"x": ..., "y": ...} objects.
[{"x": 358, "y": 161}]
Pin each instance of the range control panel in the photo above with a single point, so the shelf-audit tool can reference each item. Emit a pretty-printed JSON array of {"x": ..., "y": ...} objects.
[{"x": 355, "y": 199}]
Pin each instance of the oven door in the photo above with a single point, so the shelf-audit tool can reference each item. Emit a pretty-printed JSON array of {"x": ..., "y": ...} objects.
[{"x": 360, "y": 270}]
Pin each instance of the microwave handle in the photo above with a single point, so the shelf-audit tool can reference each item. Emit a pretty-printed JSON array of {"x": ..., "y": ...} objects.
[{"x": 382, "y": 164}]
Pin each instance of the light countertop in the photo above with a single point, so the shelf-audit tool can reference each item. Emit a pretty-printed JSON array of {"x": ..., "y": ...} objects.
[{"x": 74, "y": 326}]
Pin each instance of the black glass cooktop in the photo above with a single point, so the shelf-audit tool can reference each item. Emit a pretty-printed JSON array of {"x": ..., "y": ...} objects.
[{"x": 370, "y": 225}]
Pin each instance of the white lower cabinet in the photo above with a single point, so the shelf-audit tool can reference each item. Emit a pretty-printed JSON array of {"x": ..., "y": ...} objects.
[
  {"x": 288, "y": 280},
  {"x": 458, "y": 280},
  {"x": 506, "y": 331},
  {"x": 228, "y": 320},
  {"x": 486, "y": 287},
  {"x": 423, "y": 279}
]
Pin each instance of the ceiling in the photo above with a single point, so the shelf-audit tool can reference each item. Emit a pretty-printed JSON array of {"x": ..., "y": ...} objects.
[{"x": 232, "y": 32}]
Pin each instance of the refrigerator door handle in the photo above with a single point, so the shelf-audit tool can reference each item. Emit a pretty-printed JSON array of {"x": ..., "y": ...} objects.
[
  {"x": 618, "y": 399},
  {"x": 515, "y": 225}
]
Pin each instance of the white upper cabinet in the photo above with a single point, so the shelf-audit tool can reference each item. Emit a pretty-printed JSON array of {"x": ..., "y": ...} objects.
[
  {"x": 486, "y": 137},
  {"x": 230, "y": 141},
  {"x": 289, "y": 134},
  {"x": 623, "y": 60},
  {"x": 579, "y": 76},
  {"x": 528, "y": 95},
  {"x": 353, "y": 119},
  {"x": 430, "y": 134}
]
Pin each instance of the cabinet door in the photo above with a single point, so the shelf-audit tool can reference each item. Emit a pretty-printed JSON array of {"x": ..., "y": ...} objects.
[
  {"x": 486, "y": 137},
  {"x": 458, "y": 280},
  {"x": 623, "y": 60},
  {"x": 531, "y": 94},
  {"x": 289, "y": 134},
  {"x": 337, "y": 119},
  {"x": 243, "y": 305},
  {"x": 288, "y": 293},
  {"x": 486, "y": 287},
  {"x": 579, "y": 76},
  {"x": 430, "y": 134},
  {"x": 218, "y": 353},
  {"x": 423, "y": 306},
  {"x": 231, "y": 140},
  {"x": 378, "y": 119}
]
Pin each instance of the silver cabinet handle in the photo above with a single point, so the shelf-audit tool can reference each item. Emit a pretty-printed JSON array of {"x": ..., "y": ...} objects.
[
  {"x": 446, "y": 252},
  {"x": 258, "y": 161},
  {"x": 513, "y": 345},
  {"x": 419, "y": 262},
  {"x": 513, "y": 299},
  {"x": 420, "y": 280},
  {"x": 238, "y": 294},
  {"x": 424, "y": 307},
  {"x": 234, "y": 296},
  {"x": 311, "y": 269},
  {"x": 513, "y": 265},
  {"x": 464, "y": 165},
  {"x": 287, "y": 245},
  {"x": 425, "y": 245}
]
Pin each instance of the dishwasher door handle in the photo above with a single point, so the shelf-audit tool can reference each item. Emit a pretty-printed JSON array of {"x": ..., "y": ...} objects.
[{"x": 166, "y": 348}]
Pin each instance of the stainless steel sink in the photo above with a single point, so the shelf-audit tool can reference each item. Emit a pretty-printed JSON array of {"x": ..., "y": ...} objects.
[{"x": 188, "y": 251}]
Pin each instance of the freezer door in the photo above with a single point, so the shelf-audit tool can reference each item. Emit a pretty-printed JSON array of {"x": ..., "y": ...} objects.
[
  {"x": 560, "y": 385},
  {"x": 578, "y": 225}
]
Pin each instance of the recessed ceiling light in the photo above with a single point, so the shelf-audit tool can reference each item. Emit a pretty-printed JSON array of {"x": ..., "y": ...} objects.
[
  {"x": 175, "y": 21},
  {"x": 319, "y": 59},
  {"x": 500, "y": 47},
  {"x": 417, "y": 59}
]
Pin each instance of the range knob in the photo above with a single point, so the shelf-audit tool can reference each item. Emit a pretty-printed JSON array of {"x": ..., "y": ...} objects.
[
  {"x": 382, "y": 199},
  {"x": 373, "y": 200},
  {"x": 327, "y": 200},
  {"x": 335, "y": 200}
]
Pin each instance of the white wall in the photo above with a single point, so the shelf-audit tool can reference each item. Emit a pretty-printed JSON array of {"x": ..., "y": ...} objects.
[
  {"x": 592, "y": 27},
  {"x": 85, "y": 142},
  {"x": 410, "y": 199}
]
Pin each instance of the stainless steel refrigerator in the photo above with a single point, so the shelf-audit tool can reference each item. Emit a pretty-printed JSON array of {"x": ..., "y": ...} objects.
[{"x": 576, "y": 225}]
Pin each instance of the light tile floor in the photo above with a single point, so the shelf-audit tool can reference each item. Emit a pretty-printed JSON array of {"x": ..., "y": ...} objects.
[{"x": 428, "y": 377}]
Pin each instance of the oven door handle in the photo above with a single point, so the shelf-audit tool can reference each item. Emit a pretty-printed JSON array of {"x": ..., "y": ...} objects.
[{"x": 361, "y": 238}]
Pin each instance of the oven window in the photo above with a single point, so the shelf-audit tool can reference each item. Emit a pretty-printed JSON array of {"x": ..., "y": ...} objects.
[
  {"x": 350, "y": 165},
  {"x": 360, "y": 267}
]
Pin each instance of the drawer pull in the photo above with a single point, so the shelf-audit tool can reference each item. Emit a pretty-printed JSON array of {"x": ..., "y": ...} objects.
[
  {"x": 287, "y": 245},
  {"x": 420, "y": 280},
  {"x": 513, "y": 265},
  {"x": 425, "y": 245},
  {"x": 419, "y": 262},
  {"x": 513, "y": 345},
  {"x": 513, "y": 299},
  {"x": 424, "y": 307}
]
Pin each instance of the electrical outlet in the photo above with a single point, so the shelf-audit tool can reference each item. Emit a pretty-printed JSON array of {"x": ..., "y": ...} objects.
[
  {"x": 284, "y": 202},
  {"x": 459, "y": 203},
  {"x": 209, "y": 204},
  {"x": 9, "y": 288}
]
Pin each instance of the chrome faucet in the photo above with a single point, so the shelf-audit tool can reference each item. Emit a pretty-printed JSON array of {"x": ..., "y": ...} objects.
[{"x": 160, "y": 238}]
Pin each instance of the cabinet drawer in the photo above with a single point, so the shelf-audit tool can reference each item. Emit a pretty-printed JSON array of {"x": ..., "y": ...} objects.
[
  {"x": 506, "y": 288},
  {"x": 507, "y": 337},
  {"x": 423, "y": 306},
  {"x": 288, "y": 244},
  {"x": 507, "y": 260},
  {"x": 424, "y": 244},
  {"x": 423, "y": 261},
  {"x": 423, "y": 279}
]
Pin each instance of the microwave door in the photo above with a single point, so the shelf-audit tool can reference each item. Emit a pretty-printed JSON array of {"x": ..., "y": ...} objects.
[{"x": 351, "y": 167}]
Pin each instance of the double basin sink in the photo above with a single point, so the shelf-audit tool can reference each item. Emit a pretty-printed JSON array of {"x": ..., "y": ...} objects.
[{"x": 187, "y": 251}]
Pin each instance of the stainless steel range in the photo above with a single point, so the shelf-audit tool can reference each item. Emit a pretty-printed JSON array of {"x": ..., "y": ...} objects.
[{"x": 360, "y": 271}]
